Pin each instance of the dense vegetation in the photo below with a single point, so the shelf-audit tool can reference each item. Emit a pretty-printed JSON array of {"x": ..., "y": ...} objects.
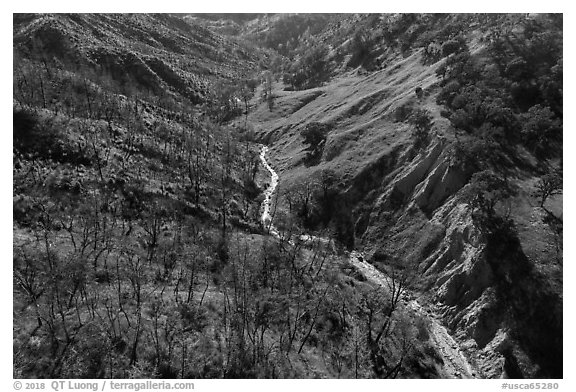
[
  {"x": 138, "y": 250},
  {"x": 138, "y": 247},
  {"x": 517, "y": 95},
  {"x": 507, "y": 95},
  {"x": 500, "y": 87}
]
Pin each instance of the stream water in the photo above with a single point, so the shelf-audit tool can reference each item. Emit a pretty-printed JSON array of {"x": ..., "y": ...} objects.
[
  {"x": 266, "y": 217},
  {"x": 455, "y": 363}
]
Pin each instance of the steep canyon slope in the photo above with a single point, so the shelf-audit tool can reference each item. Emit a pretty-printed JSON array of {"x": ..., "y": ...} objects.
[
  {"x": 414, "y": 228},
  {"x": 498, "y": 291}
]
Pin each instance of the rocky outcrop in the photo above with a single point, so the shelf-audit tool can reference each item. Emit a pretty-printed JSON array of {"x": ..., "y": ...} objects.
[
  {"x": 482, "y": 286},
  {"x": 417, "y": 172},
  {"x": 463, "y": 284},
  {"x": 426, "y": 181},
  {"x": 440, "y": 184},
  {"x": 424, "y": 213}
]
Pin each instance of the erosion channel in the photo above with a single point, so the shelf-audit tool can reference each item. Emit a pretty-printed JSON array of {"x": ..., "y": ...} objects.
[{"x": 455, "y": 362}]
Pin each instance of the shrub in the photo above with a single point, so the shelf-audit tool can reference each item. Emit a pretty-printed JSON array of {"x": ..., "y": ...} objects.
[
  {"x": 42, "y": 138},
  {"x": 540, "y": 127},
  {"x": 402, "y": 112},
  {"x": 310, "y": 71},
  {"x": 549, "y": 184},
  {"x": 453, "y": 46},
  {"x": 422, "y": 122},
  {"x": 314, "y": 135},
  {"x": 360, "y": 48},
  {"x": 419, "y": 92},
  {"x": 448, "y": 93},
  {"x": 485, "y": 190}
]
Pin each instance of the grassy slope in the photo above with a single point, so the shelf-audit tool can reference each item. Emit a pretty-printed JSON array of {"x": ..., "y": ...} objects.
[
  {"x": 107, "y": 300},
  {"x": 360, "y": 107},
  {"x": 164, "y": 53}
]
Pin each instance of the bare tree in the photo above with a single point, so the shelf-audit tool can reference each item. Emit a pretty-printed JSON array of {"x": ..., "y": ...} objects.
[
  {"x": 379, "y": 307},
  {"x": 549, "y": 185}
]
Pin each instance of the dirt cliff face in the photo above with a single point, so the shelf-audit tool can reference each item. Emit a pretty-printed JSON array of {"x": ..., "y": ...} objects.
[
  {"x": 473, "y": 280},
  {"x": 395, "y": 188},
  {"x": 407, "y": 208}
]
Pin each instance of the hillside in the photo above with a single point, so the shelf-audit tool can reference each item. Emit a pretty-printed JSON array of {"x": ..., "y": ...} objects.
[
  {"x": 415, "y": 230},
  {"x": 408, "y": 207}
]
